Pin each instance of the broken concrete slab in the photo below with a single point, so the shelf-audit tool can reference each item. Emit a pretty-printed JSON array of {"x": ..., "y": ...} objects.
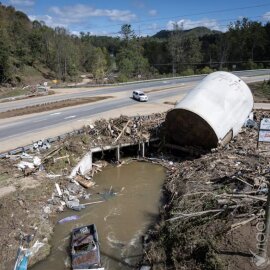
[
  {"x": 83, "y": 167},
  {"x": 25, "y": 164},
  {"x": 74, "y": 205}
]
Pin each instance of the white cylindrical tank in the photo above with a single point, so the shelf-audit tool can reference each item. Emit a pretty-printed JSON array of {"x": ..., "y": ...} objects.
[{"x": 212, "y": 113}]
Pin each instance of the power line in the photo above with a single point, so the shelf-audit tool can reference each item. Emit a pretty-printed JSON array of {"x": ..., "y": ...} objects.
[
  {"x": 212, "y": 63},
  {"x": 196, "y": 24},
  {"x": 189, "y": 15},
  {"x": 149, "y": 30}
]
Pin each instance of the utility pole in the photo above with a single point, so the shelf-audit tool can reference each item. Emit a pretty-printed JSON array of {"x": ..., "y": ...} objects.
[
  {"x": 173, "y": 69},
  {"x": 139, "y": 72}
]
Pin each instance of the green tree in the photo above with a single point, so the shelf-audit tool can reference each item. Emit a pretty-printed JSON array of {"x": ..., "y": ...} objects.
[
  {"x": 176, "y": 47},
  {"x": 131, "y": 62},
  {"x": 99, "y": 64},
  {"x": 130, "y": 59},
  {"x": 5, "y": 65},
  {"x": 63, "y": 54},
  {"x": 156, "y": 51},
  {"x": 247, "y": 40},
  {"x": 192, "y": 51},
  {"x": 185, "y": 51},
  {"x": 127, "y": 32}
]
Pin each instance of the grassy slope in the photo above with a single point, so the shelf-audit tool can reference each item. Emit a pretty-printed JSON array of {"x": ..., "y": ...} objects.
[{"x": 261, "y": 91}]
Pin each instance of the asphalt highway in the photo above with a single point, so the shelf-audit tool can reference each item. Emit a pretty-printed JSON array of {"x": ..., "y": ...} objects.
[
  {"x": 39, "y": 122},
  {"x": 92, "y": 93},
  {"x": 25, "y": 126},
  {"x": 117, "y": 89}
]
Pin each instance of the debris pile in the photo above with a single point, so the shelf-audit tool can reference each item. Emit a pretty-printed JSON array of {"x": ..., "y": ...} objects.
[
  {"x": 214, "y": 203},
  {"x": 124, "y": 129},
  {"x": 25, "y": 162},
  {"x": 66, "y": 156},
  {"x": 221, "y": 191},
  {"x": 41, "y": 145}
]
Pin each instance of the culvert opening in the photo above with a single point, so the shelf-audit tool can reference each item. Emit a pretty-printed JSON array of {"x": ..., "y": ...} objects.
[{"x": 141, "y": 149}]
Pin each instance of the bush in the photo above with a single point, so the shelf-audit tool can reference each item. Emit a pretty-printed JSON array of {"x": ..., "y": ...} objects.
[
  {"x": 251, "y": 65},
  {"x": 122, "y": 78},
  {"x": 187, "y": 72},
  {"x": 206, "y": 70},
  {"x": 224, "y": 69}
]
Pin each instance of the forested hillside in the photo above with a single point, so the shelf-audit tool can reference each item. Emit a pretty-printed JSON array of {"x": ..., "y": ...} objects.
[{"x": 28, "y": 47}]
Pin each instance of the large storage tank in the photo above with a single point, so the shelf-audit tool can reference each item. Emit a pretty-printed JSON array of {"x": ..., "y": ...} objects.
[{"x": 212, "y": 113}]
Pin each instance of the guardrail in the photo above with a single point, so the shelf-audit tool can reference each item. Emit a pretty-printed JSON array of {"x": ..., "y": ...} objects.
[
  {"x": 126, "y": 83},
  {"x": 153, "y": 80}
]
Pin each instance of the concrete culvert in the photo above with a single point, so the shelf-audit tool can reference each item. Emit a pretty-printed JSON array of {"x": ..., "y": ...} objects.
[{"x": 212, "y": 113}]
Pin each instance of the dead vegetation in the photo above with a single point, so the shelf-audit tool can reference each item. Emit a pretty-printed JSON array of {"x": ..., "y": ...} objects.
[{"x": 213, "y": 206}]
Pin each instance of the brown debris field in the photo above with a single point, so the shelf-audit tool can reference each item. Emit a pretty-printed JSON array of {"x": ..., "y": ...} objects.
[{"x": 212, "y": 199}]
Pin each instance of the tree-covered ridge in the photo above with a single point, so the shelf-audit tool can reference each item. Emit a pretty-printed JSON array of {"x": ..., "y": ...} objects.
[
  {"x": 197, "y": 31},
  {"x": 58, "y": 54}
]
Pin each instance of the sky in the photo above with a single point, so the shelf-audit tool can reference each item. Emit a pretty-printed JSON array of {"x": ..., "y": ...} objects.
[{"x": 105, "y": 17}]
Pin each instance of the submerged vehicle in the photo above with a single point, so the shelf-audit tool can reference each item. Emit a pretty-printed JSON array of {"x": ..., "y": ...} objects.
[{"x": 85, "y": 253}]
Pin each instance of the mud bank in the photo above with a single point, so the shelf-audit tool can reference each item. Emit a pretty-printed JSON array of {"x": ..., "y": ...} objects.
[{"x": 22, "y": 204}]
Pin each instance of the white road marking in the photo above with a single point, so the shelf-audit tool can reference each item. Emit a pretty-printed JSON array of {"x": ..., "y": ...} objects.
[
  {"x": 55, "y": 113},
  {"x": 69, "y": 117},
  {"x": 40, "y": 120}
]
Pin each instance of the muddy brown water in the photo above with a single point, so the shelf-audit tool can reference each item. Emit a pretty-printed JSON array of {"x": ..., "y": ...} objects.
[{"x": 121, "y": 219}]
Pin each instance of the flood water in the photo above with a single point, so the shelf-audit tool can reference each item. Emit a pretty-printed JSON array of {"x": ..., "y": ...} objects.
[{"x": 121, "y": 219}]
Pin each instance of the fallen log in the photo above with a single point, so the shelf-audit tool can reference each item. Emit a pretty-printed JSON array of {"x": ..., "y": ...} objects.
[
  {"x": 123, "y": 130},
  {"x": 262, "y": 198},
  {"x": 85, "y": 183},
  {"x": 59, "y": 158},
  {"x": 52, "y": 153},
  {"x": 198, "y": 193},
  {"x": 242, "y": 223},
  {"x": 243, "y": 181},
  {"x": 195, "y": 214},
  {"x": 92, "y": 203}
]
